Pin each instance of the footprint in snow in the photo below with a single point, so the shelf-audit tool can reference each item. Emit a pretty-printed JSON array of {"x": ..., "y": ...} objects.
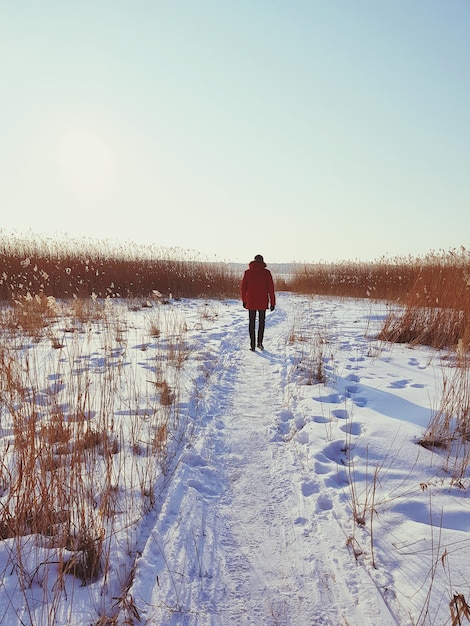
[
  {"x": 143, "y": 347},
  {"x": 319, "y": 468},
  {"x": 414, "y": 362},
  {"x": 41, "y": 399},
  {"x": 351, "y": 391},
  {"x": 400, "y": 384},
  {"x": 285, "y": 416},
  {"x": 217, "y": 336},
  {"x": 195, "y": 460},
  {"x": 360, "y": 401},
  {"x": 337, "y": 451},
  {"x": 302, "y": 437},
  {"x": 354, "y": 378},
  {"x": 324, "y": 503},
  {"x": 206, "y": 488},
  {"x": 353, "y": 367},
  {"x": 281, "y": 431},
  {"x": 352, "y": 429},
  {"x": 341, "y": 414},
  {"x": 332, "y": 398},
  {"x": 56, "y": 387},
  {"x": 309, "y": 488},
  {"x": 54, "y": 377}
]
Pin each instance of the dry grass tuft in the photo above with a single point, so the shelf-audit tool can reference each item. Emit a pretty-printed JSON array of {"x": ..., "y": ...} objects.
[
  {"x": 449, "y": 427},
  {"x": 86, "y": 561}
]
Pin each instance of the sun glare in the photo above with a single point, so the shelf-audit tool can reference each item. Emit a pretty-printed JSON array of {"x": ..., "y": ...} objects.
[{"x": 88, "y": 164}]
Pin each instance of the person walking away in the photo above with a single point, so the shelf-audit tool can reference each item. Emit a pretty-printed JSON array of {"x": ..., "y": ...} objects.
[{"x": 257, "y": 292}]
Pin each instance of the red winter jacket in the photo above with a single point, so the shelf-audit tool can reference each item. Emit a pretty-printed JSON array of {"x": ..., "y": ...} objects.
[{"x": 257, "y": 288}]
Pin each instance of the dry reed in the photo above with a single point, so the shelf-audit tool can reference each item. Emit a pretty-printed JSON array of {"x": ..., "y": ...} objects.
[
  {"x": 90, "y": 444},
  {"x": 63, "y": 269}
]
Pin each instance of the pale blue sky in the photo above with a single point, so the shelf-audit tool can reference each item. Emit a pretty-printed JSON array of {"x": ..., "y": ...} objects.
[{"x": 301, "y": 130}]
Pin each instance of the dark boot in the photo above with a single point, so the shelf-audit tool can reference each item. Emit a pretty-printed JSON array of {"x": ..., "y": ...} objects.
[
  {"x": 251, "y": 328},
  {"x": 261, "y": 325}
]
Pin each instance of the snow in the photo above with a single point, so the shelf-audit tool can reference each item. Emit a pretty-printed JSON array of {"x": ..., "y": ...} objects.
[{"x": 273, "y": 459}]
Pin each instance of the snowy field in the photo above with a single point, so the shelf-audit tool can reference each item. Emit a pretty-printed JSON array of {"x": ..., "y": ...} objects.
[{"x": 283, "y": 487}]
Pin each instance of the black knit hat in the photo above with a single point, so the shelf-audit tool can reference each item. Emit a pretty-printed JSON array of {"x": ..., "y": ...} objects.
[{"x": 259, "y": 258}]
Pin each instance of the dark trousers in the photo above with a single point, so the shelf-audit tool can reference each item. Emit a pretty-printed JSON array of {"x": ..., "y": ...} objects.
[{"x": 251, "y": 325}]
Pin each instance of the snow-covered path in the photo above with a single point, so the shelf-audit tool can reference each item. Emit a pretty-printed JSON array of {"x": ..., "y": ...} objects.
[
  {"x": 261, "y": 509},
  {"x": 247, "y": 535}
]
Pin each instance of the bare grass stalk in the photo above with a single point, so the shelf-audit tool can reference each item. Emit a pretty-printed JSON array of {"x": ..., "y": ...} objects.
[
  {"x": 363, "y": 504},
  {"x": 310, "y": 347},
  {"x": 459, "y": 609}
]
